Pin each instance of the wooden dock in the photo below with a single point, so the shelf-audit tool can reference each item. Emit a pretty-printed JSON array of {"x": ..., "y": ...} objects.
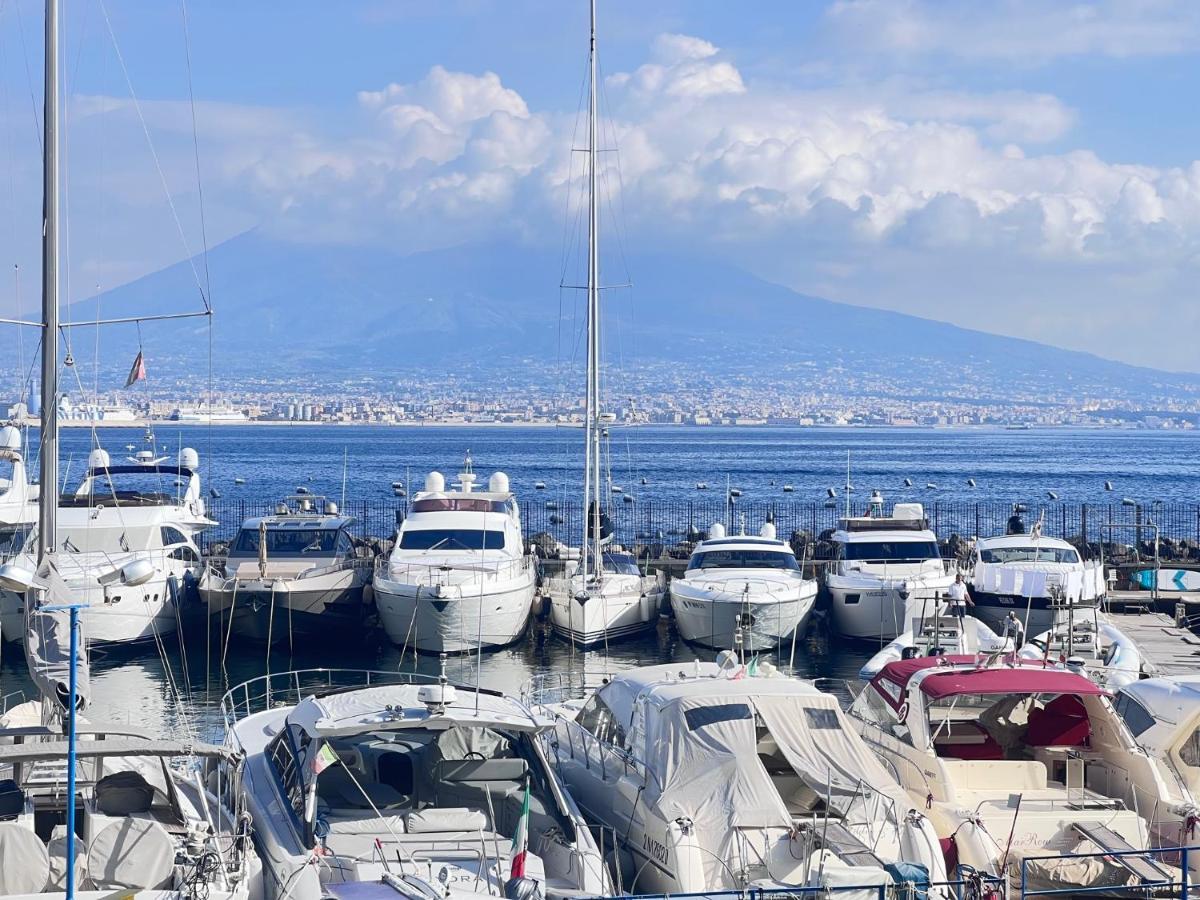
[{"x": 1166, "y": 648}]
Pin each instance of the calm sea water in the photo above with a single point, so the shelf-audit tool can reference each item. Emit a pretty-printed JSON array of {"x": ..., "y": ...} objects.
[{"x": 135, "y": 686}]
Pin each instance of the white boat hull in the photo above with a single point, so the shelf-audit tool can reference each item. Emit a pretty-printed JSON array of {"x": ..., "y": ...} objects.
[
  {"x": 876, "y": 611},
  {"x": 764, "y": 620},
  {"x": 456, "y": 619},
  {"x": 624, "y": 605}
]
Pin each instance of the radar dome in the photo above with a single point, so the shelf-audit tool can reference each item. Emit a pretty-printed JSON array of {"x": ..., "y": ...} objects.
[
  {"x": 98, "y": 459},
  {"x": 498, "y": 483},
  {"x": 435, "y": 482},
  {"x": 331, "y": 508},
  {"x": 767, "y": 531},
  {"x": 716, "y": 531},
  {"x": 189, "y": 458},
  {"x": 10, "y": 437}
]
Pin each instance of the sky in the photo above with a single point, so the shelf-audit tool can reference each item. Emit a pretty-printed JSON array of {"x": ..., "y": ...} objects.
[{"x": 1021, "y": 167}]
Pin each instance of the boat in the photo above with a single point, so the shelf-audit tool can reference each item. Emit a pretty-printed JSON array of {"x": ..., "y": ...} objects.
[
  {"x": 1088, "y": 641},
  {"x": 886, "y": 572},
  {"x": 606, "y": 596},
  {"x": 18, "y": 498},
  {"x": 539, "y": 486},
  {"x": 1163, "y": 715},
  {"x": 744, "y": 592},
  {"x": 120, "y": 519},
  {"x": 1012, "y": 758},
  {"x": 938, "y": 635},
  {"x": 1032, "y": 575},
  {"x": 723, "y": 777},
  {"x": 459, "y": 577},
  {"x": 294, "y": 573},
  {"x": 422, "y": 788},
  {"x": 148, "y": 818}
]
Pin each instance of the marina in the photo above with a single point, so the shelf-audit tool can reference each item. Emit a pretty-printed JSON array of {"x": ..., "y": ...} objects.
[{"x": 621, "y": 658}]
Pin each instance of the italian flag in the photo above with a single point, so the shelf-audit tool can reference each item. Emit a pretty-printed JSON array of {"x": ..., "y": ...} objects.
[
  {"x": 324, "y": 759},
  {"x": 520, "y": 844}
]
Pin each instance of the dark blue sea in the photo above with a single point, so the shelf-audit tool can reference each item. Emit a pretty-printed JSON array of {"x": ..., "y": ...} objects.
[{"x": 362, "y": 462}]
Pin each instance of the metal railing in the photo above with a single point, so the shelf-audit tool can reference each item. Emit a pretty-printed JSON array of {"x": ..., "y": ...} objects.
[
  {"x": 289, "y": 688},
  {"x": 1182, "y": 888},
  {"x": 466, "y": 571},
  {"x": 667, "y": 523}
]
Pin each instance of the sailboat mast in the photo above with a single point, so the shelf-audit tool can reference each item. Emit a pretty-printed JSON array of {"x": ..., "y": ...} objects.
[
  {"x": 592, "y": 485},
  {"x": 48, "y": 508}
]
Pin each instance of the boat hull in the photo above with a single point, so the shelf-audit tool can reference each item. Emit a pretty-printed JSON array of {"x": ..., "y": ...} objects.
[
  {"x": 877, "y": 611},
  {"x": 261, "y": 611},
  {"x": 763, "y": 621},
  {"x": 625, "y": 606},
  {"x": 454, "y": 621}
]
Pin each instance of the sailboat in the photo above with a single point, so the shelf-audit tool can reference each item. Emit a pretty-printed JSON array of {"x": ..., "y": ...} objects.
[
  {"x": 106, "y": 809},
  {"x": 607, "y": 597}
]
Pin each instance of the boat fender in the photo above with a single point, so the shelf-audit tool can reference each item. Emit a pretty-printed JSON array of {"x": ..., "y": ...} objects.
[{"x": 919, "y": 843}]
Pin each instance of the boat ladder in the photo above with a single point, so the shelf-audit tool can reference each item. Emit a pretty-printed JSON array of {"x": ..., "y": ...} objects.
[{"x": 1107, "y": 839}]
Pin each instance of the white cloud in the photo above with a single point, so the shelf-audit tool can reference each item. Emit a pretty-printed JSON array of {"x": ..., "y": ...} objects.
[{"x": 1025, "y": 31}]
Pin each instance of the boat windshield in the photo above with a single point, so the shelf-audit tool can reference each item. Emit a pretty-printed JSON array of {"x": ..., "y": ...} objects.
[
  {"x": 459, "y": 504},
  {"x": 987, "y": 726},
  {"x": 890, "y": 551},
  {"x": 451, "y": 539},
  {"x": 619, "y": 564},
  {"x": 12, "y": 539},
  {"x": 744, "y": 559},
  {"x": 290, "y": 542},
  {"x": 1029, "y": 554}
]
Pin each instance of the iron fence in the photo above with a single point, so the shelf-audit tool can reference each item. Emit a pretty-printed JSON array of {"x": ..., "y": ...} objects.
[{"x": 667, "y": 523}]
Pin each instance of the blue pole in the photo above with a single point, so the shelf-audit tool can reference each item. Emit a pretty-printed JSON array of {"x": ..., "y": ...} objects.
[{"x": 74, "y": 612}]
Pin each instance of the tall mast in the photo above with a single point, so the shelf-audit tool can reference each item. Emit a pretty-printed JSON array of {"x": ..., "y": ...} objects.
[
  {"x": 592, "y": 486},
  {"x": 48, "y": 507}
]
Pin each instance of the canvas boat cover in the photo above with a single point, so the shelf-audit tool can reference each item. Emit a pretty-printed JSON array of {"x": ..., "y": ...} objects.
[
  {"x": 961, "y": 675},
  {"x": 703, "y": 737},
  {"x": 48, "y": 644}
]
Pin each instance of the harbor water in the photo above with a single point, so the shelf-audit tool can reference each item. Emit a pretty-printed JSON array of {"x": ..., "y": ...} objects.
[{"x": 140, "y": 686}]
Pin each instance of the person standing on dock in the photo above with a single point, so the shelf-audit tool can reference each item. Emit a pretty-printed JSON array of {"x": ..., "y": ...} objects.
[{"x": 959, "y": 598}]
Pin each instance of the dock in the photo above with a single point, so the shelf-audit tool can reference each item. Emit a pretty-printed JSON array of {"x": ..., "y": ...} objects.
[{"x": 1167, "y": 647}]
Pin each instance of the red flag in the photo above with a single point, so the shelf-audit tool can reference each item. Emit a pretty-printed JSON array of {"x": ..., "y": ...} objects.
[{"x": 138, "y": 372}]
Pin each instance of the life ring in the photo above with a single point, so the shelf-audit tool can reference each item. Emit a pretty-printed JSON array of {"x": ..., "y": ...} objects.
[{"x": 902, "y": 712}]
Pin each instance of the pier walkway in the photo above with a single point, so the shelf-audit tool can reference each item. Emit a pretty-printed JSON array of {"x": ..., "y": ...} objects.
[{"x": 1167, "y": 648}]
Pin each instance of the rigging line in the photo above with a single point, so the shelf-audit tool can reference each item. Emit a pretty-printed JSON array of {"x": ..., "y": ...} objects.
[
  {"x": 37, "y": 122},
  {"x": 187, "y": 53},
  {"x": 154, "y": 153}
]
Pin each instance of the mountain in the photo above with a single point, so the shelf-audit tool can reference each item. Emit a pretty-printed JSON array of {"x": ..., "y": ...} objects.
[{"x": 326, "y": 312}]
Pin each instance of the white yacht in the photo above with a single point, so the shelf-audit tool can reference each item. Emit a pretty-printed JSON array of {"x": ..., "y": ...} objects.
[
  {"x": 728, "y": 777},
  {"x": 121, "y": 521},
  {"x": 606, "y": 597},
  {"x": 1088, "y": 641},
  {"x": 1033, "y": 576},
  {"x": 1015, "y": 758},
  {"x": 1163, "y": 714},
  {"x": 425, "y": 789},
  {"x": 939, "y": 635},
  {"x": 18, "y": 498},
  {"x": 744, "y": 592},
  {"x": 294, "y": 573},
  {"x": 459, "y": 577},
  {"x": 887, "y": 572}
]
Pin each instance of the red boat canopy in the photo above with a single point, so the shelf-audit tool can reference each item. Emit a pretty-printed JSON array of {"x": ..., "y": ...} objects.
[{"x": 1026, "y": 677}]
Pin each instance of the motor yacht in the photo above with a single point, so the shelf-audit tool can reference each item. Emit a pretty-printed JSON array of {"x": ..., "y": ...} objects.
[
  {"x": 1086, "y": 640},
  {"x": 746, "y": 592},
  {"x": 126, "y": 547},
  {"x": 459, "y": 577},
  {"x": 18, "y": 498},
  {"x": 1014, "y": 758},
  {"x": 1163, "y": 714},
  {"x": 728, "y": 777},
  {"x": 1033, "y": 576},
  {"x": 886, "y": 572},
  {"x": 294, "y": 573},
  {"x": 423, "y": 788}
]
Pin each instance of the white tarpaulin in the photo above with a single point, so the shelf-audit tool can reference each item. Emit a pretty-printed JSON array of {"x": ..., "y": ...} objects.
[{"x": 48, "y": 644}]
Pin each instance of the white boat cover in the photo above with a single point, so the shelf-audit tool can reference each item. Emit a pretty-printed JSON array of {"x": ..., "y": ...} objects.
[
  {"x": 24, "y": 861},
  {"x": 57, "y": 848},
  {"x": 132, "y": 853},
  {"x": 711, "y": 773},
  {"x": 48, "y": 644}
]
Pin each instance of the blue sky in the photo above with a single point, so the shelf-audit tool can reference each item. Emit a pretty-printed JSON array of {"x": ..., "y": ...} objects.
[{"x": 1023, "y": 167}]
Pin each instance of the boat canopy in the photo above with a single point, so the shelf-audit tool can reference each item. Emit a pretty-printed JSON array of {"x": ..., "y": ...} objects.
[
  {"x": 963, "y": 675},
  {"x": 125, "y": 746}
]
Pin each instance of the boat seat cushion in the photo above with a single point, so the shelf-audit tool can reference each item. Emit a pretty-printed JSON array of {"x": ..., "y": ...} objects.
[
  {"x": 453, "y": 818},
  {"x": 368, "y": 824},
  {"x": 975, "y": 743},
  {"x": 480, "y": 770},
  {"x": 1063, "y": 722},
  {"x": 338, "y": 790}
]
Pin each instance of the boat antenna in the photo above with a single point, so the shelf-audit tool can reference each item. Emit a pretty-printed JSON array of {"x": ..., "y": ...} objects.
[{"x": 345, "y": 465}]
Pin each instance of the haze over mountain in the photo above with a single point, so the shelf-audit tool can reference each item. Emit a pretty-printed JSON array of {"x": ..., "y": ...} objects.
[{"x": 326, "y": 312}]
